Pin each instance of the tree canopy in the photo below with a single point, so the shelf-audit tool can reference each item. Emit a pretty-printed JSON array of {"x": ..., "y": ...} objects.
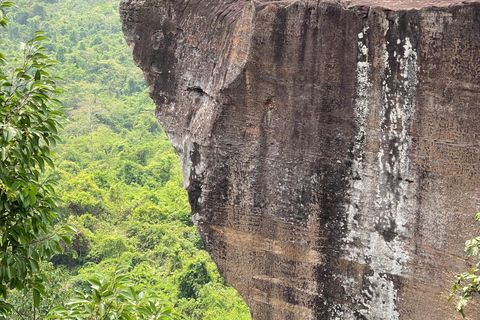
[{"x": 119, "y": 182}]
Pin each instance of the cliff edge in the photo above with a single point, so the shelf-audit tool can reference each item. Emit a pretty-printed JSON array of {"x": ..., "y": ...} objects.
[{"x": 330, "y": 149}]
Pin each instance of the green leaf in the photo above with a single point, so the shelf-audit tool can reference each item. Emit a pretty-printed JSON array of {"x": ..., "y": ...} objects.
[
  {"x": 33, "y": 265},
  {"x": 6, "y": 306},
  {"x": 33, "y": 198},
  {"x": 477, "y": 216},
  {"x": 96, "y": 296},
  {"x": 26, "y": 201},
  {"x": 69, "y": 229},
  {"x": 95, "y": 284},
  {"x": 9, "y": 134},
  {"x": 77, "y": 300},
  {"x": 66, "y": 239},
  {"x": 17, "y": 184},
  {"x": 36, "y": 298},
  {"x": 6, "y": 4},
  {"x": 101, "y": 309}
]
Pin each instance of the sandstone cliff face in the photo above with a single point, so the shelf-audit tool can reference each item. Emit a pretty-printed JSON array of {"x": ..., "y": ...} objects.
[{"x": 330, "y": 149}]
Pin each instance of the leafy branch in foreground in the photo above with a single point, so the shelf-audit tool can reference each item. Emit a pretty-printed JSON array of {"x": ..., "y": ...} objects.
[
  {"x": 467, "y": 284},
  {"x": 114, "y": 298},
  {"x": 3, "y": 5},
  {"x": 29, "y": 118}
]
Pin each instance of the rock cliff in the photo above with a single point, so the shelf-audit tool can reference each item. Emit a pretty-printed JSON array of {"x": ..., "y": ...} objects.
[{"x": 330, "y": 149}]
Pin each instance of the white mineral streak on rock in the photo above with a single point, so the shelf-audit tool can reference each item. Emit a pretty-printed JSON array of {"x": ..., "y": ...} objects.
[
  {"x": 363, "y": 92},
  {"x": 378, "y": 241}
]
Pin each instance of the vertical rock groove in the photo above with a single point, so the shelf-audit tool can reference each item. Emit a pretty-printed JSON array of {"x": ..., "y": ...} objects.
[{"x": 329, "y": 149}]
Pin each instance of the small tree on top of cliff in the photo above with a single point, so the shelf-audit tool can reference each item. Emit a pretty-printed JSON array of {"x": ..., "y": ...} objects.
[{"x": 468, "y": 283}]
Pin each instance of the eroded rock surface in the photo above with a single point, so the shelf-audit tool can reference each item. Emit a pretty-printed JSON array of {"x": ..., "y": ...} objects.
[{"x": 330, "y": 149}]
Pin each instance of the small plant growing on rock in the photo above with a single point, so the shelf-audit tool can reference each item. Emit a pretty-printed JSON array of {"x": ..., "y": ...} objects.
[{"x": 467, "y": 284}]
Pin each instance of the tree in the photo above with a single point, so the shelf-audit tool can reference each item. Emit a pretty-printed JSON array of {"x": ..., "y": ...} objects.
[
  {"x": 467, "y": 284},
  {"x": 124, "y": 128},
  {"x": 191, "y": 281},
  {"x": 57, "y": 289},
  {"x": 29, "y": 118}
]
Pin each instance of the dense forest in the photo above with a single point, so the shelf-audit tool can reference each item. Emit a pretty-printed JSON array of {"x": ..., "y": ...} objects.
[{"x": 118, "y": 176}]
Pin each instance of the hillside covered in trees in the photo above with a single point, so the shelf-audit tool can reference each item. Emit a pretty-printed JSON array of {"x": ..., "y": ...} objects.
[{"x": 119, "y": 178}]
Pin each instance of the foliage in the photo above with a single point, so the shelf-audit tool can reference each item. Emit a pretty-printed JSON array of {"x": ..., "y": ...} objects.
[
  {"x": 114, "y": 298},
  {"x": 191, "y": 281},
  {"x": 3, "y": 18},
  {"x": 467, "y": 284},
  {"x": 119, "y": 178},
  {"x": 29, "y": 117},
  {"x": 57, "y": 290}
]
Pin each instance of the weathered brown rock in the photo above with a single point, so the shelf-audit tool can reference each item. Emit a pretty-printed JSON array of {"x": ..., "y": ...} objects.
[{"x": 330, "y": 149}]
